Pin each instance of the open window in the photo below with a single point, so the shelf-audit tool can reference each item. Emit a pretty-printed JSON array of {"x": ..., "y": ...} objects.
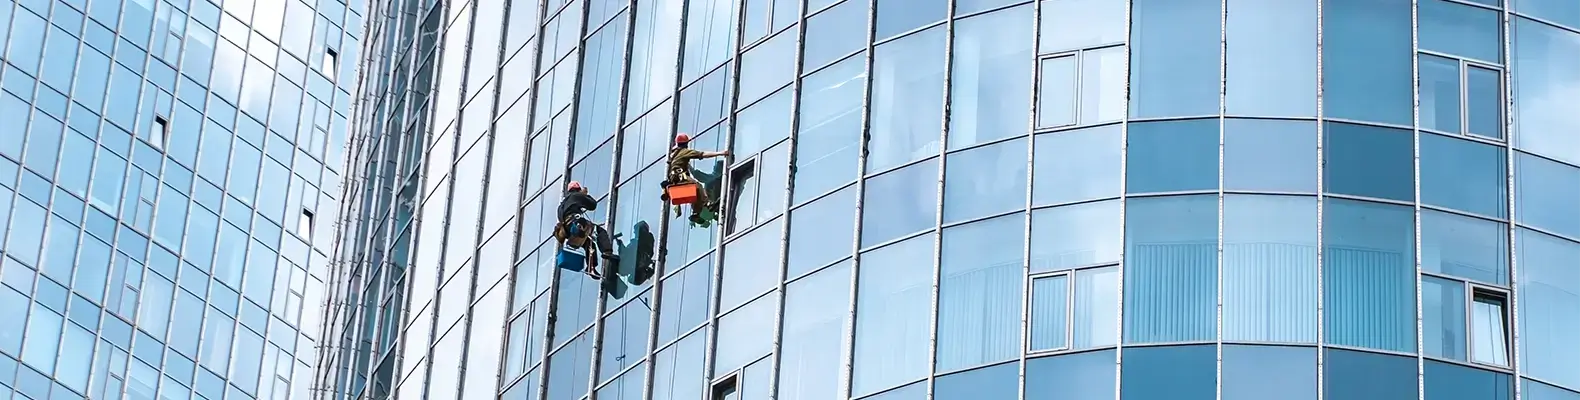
[
  {"x": 158, "y": 132},
  {"x": 304, "y": 225},
  {"x": 331, "y": 60},
  {"x": 1489, "y": 321},
  {"x": 742, "y": 207},
  {"x": 726, "y": 389}
]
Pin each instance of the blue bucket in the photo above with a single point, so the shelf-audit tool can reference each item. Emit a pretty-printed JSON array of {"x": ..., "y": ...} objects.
[{"x": 571, "y": 259}]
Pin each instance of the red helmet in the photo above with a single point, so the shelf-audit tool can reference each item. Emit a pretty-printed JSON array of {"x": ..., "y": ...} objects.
[
  {"x": 682, "y": 139},
  {"x": 573, "y": 186}
]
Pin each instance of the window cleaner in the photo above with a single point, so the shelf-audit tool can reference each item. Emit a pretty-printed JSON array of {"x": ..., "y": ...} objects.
[
  {"x": 682, "y": 188},
  {"x": 572, "y": 232}
]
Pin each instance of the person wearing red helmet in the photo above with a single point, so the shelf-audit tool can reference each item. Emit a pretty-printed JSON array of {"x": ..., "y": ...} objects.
[
  {"x": 573, "y": 206},
  {"x": 680, "y": 158}
]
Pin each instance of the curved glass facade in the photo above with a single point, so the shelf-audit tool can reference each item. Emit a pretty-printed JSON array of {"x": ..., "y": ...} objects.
[
  {"x": 998, "y": 199},
  {"x": 161, "y": 166}
]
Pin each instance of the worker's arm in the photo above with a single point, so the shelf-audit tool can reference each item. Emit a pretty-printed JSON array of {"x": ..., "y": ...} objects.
[{"x": 712, "y": 154}]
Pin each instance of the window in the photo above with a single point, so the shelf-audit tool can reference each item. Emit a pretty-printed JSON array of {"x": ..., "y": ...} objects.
[
  {"x": 1073, "y": 24},
  {"x": 910, "y": 200},
  {"x": 159, "y": 132},
  {"x": 743, "y": 195},
  {"x": 1050, "y": 300},
  {"x": 1171, "y": 269},
  {"x": 1349, "y": 374},
  {"x": 1464, "y": 175},
  {"x": 1269, "y": 372},
  {"x": 833, "y": 33},
  {"x": 331, "y": 61},
  {"x": 1173, "y": 156},
  {"x": 990, "y": 76},
  {"x": 906, "y": 115},
  {"x": 1369, "y": 275},
  {"x": 1269, "y": 269},
  {"x": 304, "y": 225},
  {"x": 893, "y": 315},
  {"x": 829, "y": 135},
  {"x": 1169, "y": 372},
  {"x": 1174, "y": 51},
  {"x": 1081, "y": 88},
  {"x": 1549, "y": 298},
  {"x": 725, "y": 390},
  {"x": 1366, "y": 66},
  {"x": 979, "y": 293},
  {"x": 1461, "y": 30},
  {"x": 1089, "y": 375},
  {"x": 1368, "y": 161},
  {"x": 1271, "y": 56},
  {"x": 757, "y": 188},
  {"x": 999, "y": 169},
  {"x": 1489, "y": 320},
  {"x": 1461, "y": 97},
  {"x": 1270, "y": 155},
  {"x": 1545, "y": 119},
  {"x": 1078, "y": 165},
  {"x": 814, "y": 329}
]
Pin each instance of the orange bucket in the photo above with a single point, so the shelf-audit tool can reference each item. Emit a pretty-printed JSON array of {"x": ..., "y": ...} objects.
[{"x": 684, "y": 193}]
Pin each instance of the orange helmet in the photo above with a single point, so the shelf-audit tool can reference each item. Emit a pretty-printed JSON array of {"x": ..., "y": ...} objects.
[
  {"x": 682, "y": 139},
  {"x": 573, "y": 186}
]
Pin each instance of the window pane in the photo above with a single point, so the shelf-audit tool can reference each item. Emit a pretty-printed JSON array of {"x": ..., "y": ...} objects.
[
  {"x": 1049, "y": 312},
  {"x": 1368, "y": 274},
  {"x": 1174, "y": 52},
  {"x": 1545, "y": 193},
  {"x": 1549, "y": 290},
  {"x": 1484, "y": 102},
  {"x": 898, "y": 16},
  {"x": 1470, "y": 248},
  {"x": 1440, "y": 101},
  {"x": 1369, "y": 161},
  {"x": 990, "y": 78},
  {"x": 1360, "y": 375},
  {"x": 1270, "y": 268},
  {"x": 907, "y": 98},
  {"x": 1077, "y": 165},
  {"x": 1366, "y": 50},
  {"x": 1169, "y": 372},
  {"x": 1103, "y": 85},
  {"x": 1056, "y": 92},
  {"x": 985, "y": 181},
  {"x": 833, "y": 33},
  {"x": 1096, "y": 305},
  {"x": 1171, "y": 268},
  {"x": 1073, "y": 24},
  {"x": 893, "y": 315},
  {"x": 1543, "y": 78},
  {"x": 814, "y": 330},
  {"x": 1270, "y": 155},
  {"x": 1464, "y": 175},
  {"x": 1074, "y": 236},
  {"x": 1076, "y": 376},
  {"x": 974, "y": 280},
  {"x": 1488, "y": 339},
  {"x": 766, "y": 67},
  {"x": 909, "y": 200},
  {"x": 1443, "y": 318},
  {"x": 739, "y": 340},
  {"x": 1269, "y": 372},
  {"x": 830, "y": 130},
  {"x": 1534, "y": 390},
  {"x": 1561, "y": 12},
  {"x": 751, "y": 266},
  {"x": 1172, "y": 156},
  {"x": 1272, "y": 58},
  {"x": 996, "y": 382},
  {"x": 1461, "y": 30},
  {"x": 822, "y": 231},
  {"x": 914, "y": 391},
  {"x": 1444, "y": 381}
]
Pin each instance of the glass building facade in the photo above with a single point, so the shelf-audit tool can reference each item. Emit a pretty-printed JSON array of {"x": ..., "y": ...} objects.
[
  {"x": 969, "y": 199},
  {"x": 161, "y": 166}
]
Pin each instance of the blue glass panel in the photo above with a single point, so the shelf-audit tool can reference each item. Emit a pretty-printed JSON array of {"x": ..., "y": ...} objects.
[
  {"x": 1366, "y": 60},
  {"x": 990, "y": 79},
  {"x": 914, "y": 391},
  {"x": 1049, "y": 313},
  {"x": 1534, "y": 390},
  {"x": 1443, "y": 318},
  {"x": 828, "y": 140},
  {"x": 1369, "y": 161},
  {"x": 1169, "y": 372},
  {"x": 836, "y": 32},
  {"x": 1270, "y": 268},
  {"x": 738, "y": 342},
  {"x": 1542, "y": 79},
  {"x": 751, "y": 265},
  {"x": 1444, "y": 381},
  {"x": 1073, "y": 24},
  {"x": 813, "y": 334},
  {"x": 907, "y": 98},
  {"x": 1171, "y": 269},
  {"x": 1172, "y": 156},
  {"x": 1461, "y": 30},
  {"x": 979, "y": 293},
  {"x": 985, "y": 181},
  {"x": 1368, "y": 376},
  {"x": 899, "y": 16},
  {"x": 1269, "y": 372},
  {"x": 995, "y": 382},
  {"x": 1440, "y": 94},
  {"x": 1470, "y": 248},
  {"x": 1559, "y": 11},
  {"x": 1174, "y": 48},
  {"x": 1464, "y": 175},
  {"x": 909, "y": 199},
  {"x": 1270, "y": 155},
  {"x": 1272, "y": 58},
  {"x": 1484, "y": 102},
  {"x": 1368, "y": 275},
  {"x": 821, "y": 232},
  {"x": 1549, "y": 294},
  {"x": 1077, "y": 376},
  {"x": 1082, "y": 164},
  {"x": 1076, "y": 235},
  {"x": 892, "y": 315},
  {"x": 1545, "y": 193}
]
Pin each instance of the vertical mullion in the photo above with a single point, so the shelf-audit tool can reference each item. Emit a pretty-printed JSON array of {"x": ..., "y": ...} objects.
[{"x": 1029, "y": 288}]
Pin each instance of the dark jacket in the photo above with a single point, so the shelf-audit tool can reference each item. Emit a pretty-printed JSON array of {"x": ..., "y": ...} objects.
[{"x": 576, "y": 203}]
